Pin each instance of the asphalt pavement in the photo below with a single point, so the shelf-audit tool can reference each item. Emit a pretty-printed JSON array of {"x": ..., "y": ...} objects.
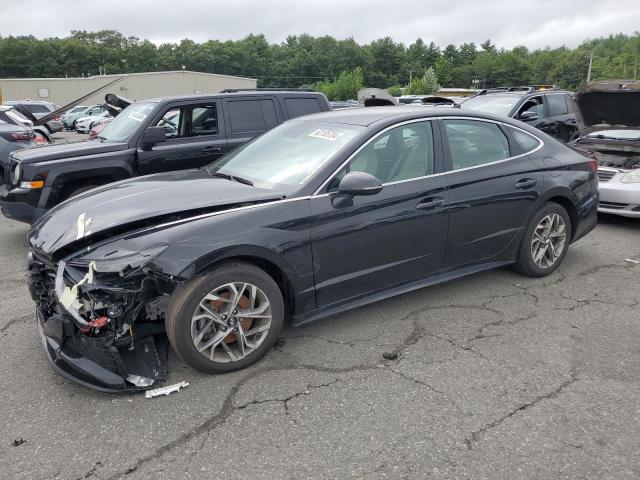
[{"x": 494, "y": 376}]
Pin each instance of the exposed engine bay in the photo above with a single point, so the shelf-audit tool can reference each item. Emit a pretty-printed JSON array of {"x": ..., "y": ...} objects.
[
  {"x": 111, "y": 314},
  {"x": 612, "y": 153}
]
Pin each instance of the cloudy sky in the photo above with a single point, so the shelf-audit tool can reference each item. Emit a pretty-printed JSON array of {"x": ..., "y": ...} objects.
[{"x": 534, "y": 23}]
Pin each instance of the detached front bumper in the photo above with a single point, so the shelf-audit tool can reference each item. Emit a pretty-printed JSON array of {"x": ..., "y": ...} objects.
[{"x": 110, "y": 368}]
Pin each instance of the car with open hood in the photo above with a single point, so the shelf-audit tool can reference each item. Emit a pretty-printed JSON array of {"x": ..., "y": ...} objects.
[
  {"x": 319, "y": 215},
  {"x": 608, "y": 115}
]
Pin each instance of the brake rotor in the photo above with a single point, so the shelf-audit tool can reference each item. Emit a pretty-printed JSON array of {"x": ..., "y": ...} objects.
[{"x": 245, "y": 323}]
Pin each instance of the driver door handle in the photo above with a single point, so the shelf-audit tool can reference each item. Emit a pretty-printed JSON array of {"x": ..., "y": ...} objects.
[
  {"x": 526, "y": 183},
  {"x": 212, "y": 148},
  {"x": 430, "y": 203}
]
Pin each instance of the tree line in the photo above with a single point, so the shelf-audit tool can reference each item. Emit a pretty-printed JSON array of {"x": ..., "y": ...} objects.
[{"x": 304, "y": 60}]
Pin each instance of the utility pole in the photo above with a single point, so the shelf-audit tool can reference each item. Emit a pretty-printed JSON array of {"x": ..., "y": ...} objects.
[
  {"x": 635, "y": 69},
  {"x": 590, "y": 64}
]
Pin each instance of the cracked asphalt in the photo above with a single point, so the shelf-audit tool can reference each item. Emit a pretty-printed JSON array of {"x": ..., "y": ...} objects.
[{"x": 494, "y": 376}]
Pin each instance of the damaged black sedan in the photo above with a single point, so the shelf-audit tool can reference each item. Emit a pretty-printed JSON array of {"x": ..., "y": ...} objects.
[{"x": 319, "y": 215}]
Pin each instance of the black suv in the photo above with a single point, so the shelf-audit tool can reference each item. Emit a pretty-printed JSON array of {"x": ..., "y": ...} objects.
[
  {"x": 151, "y": 136},
  {"x": 548, "y": 110}
]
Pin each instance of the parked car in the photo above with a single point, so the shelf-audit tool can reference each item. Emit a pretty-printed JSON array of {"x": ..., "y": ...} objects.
[
  {"x": 36, "y": 108},
  {"x": 71, "y": 111},
  {"x": 8, "y": 114},
  {"x": 84, "y": 124},
  {"x": 609, "y": 124},
  {"x": 69, "y": 119},
  {"x": 12, "y": 137},
  {"x": 317, "y": 216},
  {"x": 549, "y": 110},
  {"x": 98, "y": 127},
  {"x": 172, "y": 133}
]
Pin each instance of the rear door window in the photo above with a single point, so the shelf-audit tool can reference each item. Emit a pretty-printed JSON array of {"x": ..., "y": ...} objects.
[
  {"x": 37, "y": 108},
  {"x": 473, "y": 143},
  {"x": 301, "y": 106},
  {"x": 556, "y": 104},
  {"x": 251, "y": 116}
]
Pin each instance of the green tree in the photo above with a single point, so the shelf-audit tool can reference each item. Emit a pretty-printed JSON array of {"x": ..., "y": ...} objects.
[
  {"x": 425, "y": 85},
  {"x": 345, "y": 87}
]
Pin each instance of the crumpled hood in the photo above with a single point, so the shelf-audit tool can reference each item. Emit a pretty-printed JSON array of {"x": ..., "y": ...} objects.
[
  {"x": 66, "y": 150},
  {"x": 610, "y": 105},
  {"x": 154, "y": 199}
]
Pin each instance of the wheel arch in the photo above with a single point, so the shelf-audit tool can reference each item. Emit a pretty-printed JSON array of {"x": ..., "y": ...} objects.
[
  {"x": 566, "y": 199},
  {"x": 274, "y": 265}
]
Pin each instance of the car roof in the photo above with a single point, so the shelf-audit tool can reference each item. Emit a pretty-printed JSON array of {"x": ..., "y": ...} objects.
[
  {"x": 522, "y": 93},
  {"x": 366, "y": 116},
  {"x": 240, "y": 93}
]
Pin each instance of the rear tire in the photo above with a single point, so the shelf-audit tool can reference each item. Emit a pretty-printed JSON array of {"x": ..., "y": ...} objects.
[
  {"x": 545, "y": 241},
  {"x": 209, "y": 343}
]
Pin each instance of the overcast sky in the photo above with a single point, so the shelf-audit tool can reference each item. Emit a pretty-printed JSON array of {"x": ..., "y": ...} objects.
[{"x": 534, "y": 23}]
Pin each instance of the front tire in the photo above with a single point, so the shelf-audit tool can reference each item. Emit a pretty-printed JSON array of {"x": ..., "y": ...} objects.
[
  {"x": 545, "y": 241},
  {"x": 225, "y": 320}
]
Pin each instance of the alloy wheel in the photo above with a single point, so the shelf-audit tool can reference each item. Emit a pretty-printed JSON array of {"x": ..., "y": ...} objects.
[
  {"x": 548, "y": 242},
  {"x": 231, "y": 322}
]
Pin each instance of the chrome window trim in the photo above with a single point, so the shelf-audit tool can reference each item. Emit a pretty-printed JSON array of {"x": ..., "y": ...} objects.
[{"x": 316, "y": 193}]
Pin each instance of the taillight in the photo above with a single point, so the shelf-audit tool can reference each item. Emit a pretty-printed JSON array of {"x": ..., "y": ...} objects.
[
  {"x": 22, "y": 137},
  {"x": 40, "y": 140},
  {"x": 593, "y": 165},
  {"x": 17, "y": 136}
]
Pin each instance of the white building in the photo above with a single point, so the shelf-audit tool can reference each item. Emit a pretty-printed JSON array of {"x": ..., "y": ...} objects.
[{"x": 135, "y": 86}]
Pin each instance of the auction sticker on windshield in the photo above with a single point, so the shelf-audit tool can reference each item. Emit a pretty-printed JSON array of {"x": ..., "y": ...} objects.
[
  {"x": 325, "y": 134},
  {"x": 137, "y": 116}
]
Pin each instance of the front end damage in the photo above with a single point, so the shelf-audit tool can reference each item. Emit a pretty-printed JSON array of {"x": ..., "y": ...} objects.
[{"x": 102, "y": 321}]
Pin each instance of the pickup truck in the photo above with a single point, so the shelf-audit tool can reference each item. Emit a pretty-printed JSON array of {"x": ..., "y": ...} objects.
[{"x": 150, "y": 136}]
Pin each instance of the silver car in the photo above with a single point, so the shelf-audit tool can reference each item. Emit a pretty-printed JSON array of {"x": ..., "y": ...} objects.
[{"x": 608, "y": 115}]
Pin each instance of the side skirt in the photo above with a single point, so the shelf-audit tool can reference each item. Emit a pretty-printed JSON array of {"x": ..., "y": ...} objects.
[{"x": 392, "y": 292}]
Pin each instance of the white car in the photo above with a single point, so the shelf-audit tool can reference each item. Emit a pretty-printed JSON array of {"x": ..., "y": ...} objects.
[
  {"x": 608, "y": 115},
  {"x": 85, "y": 124}
]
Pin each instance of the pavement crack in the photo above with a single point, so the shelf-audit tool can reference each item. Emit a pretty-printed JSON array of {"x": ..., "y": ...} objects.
[
  {"x": 499, "y": 323},
  {"x": 14, "y": 321},
  {"x": 478, "y": 434},
  {"x": 228, "y": 408},
  {"x": 466, "y": 348}
]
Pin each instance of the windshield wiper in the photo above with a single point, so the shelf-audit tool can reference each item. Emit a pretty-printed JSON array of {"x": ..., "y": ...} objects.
[{"x": 231, "y": 177}]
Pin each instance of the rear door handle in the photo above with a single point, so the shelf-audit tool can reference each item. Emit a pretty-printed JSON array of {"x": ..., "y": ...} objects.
[
  {"x": 212, "y": 149},
  {"x": 526, "y": 183},
  {"x": 430, "y": 203}
]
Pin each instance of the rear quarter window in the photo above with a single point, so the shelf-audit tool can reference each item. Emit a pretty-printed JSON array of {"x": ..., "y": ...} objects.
[
  {"x": 301, "y": 106},
  {"x": 527, "y": 142}
]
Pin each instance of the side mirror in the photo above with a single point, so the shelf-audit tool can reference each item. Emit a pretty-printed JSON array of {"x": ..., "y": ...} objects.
[
  {"x": 153, "y": 136},
  {"x": 528, "y": 116},
  {"x": 359, "y": 183}
]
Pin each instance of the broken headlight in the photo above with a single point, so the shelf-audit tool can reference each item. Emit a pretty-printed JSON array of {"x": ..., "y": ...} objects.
[
  {"x": 119, "y": 260},
  {"x": 631, "y": 177}
]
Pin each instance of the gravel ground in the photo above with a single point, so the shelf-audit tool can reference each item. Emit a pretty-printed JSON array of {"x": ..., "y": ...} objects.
[{"x": 494, "y": 376}]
